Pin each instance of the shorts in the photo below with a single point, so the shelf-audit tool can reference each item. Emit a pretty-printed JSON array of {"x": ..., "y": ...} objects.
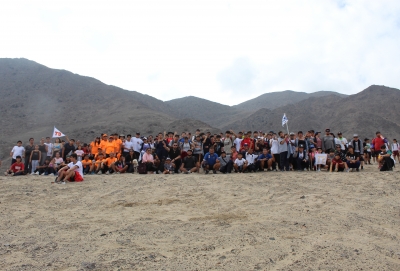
[
  {"x": 197, "y": 156},
  {"x": 375, "y": 153},
  {"x": 395, "y": 153},
  {"x": 77, "y": 177}
]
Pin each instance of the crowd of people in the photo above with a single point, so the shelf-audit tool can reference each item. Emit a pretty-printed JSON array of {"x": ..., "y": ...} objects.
[{"x": 229, "y": 152}]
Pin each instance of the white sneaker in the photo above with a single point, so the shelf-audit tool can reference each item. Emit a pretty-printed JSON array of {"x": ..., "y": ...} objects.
[
  {"x": 99, "y": 173},
  {"x": 42, "y": 174},
  {"x": 63, "y": 183},
  {"x": 5, "y": 173},
  {"x": 107, "y": 172},
  {"x": 51, "y": 174}
]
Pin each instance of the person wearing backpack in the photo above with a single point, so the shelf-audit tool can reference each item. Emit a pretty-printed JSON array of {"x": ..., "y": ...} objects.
[{"x": 395, "y": 150}]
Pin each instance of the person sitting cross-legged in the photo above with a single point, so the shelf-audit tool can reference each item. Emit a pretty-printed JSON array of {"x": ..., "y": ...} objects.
[
  {"x": 120, "y": 166},
  {"x": 240, "y": 164},
  {"x": 16, "y": 168},
  {"x": 301, "y": 156},
  {"x": 71, "y": 172}
]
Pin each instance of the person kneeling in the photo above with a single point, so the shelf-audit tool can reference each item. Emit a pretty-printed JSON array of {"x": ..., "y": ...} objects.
[
  {"x": 338, "y": 164},
  {"x": 301, "y": 157},
  {"x": 385, "y": 161},
  {"x": 224, "y": 163},
  {"x": 71, "y": 172}
]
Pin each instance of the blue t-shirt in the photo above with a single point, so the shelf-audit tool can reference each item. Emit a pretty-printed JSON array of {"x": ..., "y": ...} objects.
[
  {"x": 262, "y": 156},
  {"x": 210, "y": 158}
]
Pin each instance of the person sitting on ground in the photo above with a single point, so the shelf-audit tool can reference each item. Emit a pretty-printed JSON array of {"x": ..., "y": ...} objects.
[
  {"x": 46, "y": 168},
  {"x": 338, "y": 164},
  {"x": 329, "y": 158},
  {"x": 224, "y": 163},
  {"x": 342, "y": 155},
  {"x": 108, "y": 162},
  {"x": 131, "y": 161},
  {"x": 72, "y": 172},
  {"x": 86, "y": 164},
  {"x": 97, "y": 164},
  {"x": 266, "y": 160},
  {"x": 353, "y": 159},
  {"x": 301, "y": 156},
  {"x": 148, "y": 159},
  {"x": 57, "y": 161},
  {"x": 120, "y": 166},
  {"x": 240, "y": 164},
  {"x": 169, "y": 168},
  {"x": 252, "y": 163},
  {"x": 385, "y": 161},
  {"x": 16, "y": 168},
  {"x": 210, "y": 158},
  {"x": 189, "y": 163}
]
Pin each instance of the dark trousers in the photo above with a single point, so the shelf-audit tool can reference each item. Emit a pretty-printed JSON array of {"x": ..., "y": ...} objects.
[
  {"x": 27, "y": 166},
  {"x": 251, "y": 167},
  {"x": 277, "y": 161},
  {"x": 137, "y": 155},
  {"x": 284, "y": 164},
  {"x": 46, "y": 171},
  {"x": 86, "y": 169},
  {"x": 301, "y": 165},
  {"x": 353, "y": 165},
  {"x": 227, "y": 168}
]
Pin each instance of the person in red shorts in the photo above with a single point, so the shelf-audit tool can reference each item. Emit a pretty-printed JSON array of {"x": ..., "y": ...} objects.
[
  {"x": 16, "y": 168},
  {"x": 73, "y": 172}
]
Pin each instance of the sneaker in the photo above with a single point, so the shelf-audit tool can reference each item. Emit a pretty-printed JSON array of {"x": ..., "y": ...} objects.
[
  {"x": 189, "y": 172},
  {"x": 62, "y": 183},
  {"x": 12, "y": 173},
  {"x": 357, "y": 170},
  {"x": 99, "y": 173},
  {"x": 159, "y": 172},
  {"x": 107, "y": 172},
  {"x": 186, "y": 172},
  {"x": 207, "y": 171},
  {"x": 5, "y": 173},
  {"x": 42, "y": 174},
  {"x": 51, "y": 174},
  {"x": 214, "y": 172}
]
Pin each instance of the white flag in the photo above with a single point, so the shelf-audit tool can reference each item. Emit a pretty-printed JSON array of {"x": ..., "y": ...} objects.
[
  {"x": 284, "y": 120},
  {"x": 57, "y": 133}
]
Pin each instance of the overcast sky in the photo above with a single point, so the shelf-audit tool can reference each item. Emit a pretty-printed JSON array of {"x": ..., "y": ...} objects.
[{"x": 224, "y": 51}]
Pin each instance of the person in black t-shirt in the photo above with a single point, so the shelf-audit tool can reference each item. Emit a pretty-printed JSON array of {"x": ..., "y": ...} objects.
[
  {"x": 353, "y": 159},
  {"x": 189, "y": 163},
  {"x": 218, "y": 145},
  {"x": 68, "y": 148}
]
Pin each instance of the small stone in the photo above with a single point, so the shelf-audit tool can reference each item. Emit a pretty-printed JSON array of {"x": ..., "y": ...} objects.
[
  {"x": 271, "y": 238},
  {"x": 303, "y": 197}
]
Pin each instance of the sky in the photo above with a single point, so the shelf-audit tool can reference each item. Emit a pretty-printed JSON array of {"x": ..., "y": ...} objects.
[{"x": 223, "y": 51}]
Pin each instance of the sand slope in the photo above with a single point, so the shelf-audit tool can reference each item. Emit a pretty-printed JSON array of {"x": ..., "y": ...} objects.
[{"x": 262, "y": 221}]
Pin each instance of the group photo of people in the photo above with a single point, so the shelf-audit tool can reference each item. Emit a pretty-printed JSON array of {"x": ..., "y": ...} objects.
[{"x": 202, "y": 152}]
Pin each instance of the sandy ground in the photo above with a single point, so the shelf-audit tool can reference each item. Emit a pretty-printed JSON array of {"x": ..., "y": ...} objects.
[{"x": 259, "y": 221}]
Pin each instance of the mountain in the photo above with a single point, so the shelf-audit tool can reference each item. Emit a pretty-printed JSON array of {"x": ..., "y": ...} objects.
[
  {"x": 277, "y": 99},
  {"x": 364, "y": 113},
  {"x": 36, "y": 98}
]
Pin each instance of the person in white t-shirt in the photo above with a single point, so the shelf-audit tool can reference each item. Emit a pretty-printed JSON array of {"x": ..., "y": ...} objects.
[
  {"x": 50, "y": 146},
  {"x": 17, "y": 150},
  {"x": 240, "y": 164},
  {"x": 73, "y": 172},
  {"x": 395, "y": 150},
  {"x": 127, "y": 145},
  {"x": 137, "y": 145},
  {"x": 238, "y": 140},
  {"x": 251, "y": 161}
]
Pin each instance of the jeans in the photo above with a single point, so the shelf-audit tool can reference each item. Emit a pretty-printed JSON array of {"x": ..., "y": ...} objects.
[{"x": 35, "y": 163}]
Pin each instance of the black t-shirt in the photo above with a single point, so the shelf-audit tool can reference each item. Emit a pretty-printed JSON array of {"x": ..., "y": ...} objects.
[
  {"x": 218, "y": 147},
  {"x": 206, "y": 145},
  {"x": 28, "y": 150},
  {"x": 173, "y": 153},
  {"x": 189, "y": 162},
  {"x": 353, "y": 156},
  {"x": 68, "y": 148}
]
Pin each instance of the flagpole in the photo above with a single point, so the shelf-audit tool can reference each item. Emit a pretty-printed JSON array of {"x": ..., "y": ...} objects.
[{"x": 287, "y": 127}]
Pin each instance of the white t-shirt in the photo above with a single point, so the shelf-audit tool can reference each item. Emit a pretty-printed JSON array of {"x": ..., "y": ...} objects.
[
  {"x": 127, "y": 145},
  {"x": 239, "y": 162},
  {"x": 137, "y": 143},
  {"x": 250, "y": 158},
  {"x": 274, "y": 146},
  {"x": 79, "y": 169},
  {"x": 395, "y": 146},
  {"x": 17, "y": 151},
  {"x": 237, "y": 143},
  {"x": 49, "y": 148},
  {"x": 79, "y": 152},
  {"x": 58, "y": 161},
  {"x": 342, "y": 141}
]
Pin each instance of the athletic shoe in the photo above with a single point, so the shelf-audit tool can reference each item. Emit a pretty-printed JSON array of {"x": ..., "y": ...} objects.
[
  {"x": 107, "y": 172},
  {"x": 214, "y": 172},
  {"x": 207, "y": 171},
  {"x": 62, "y": 182},
  {"x": 42, "y": 174},
  {"x": 118, "y": 172},
  {"x": 51, "y": 174},
  {"x": 99, "y": 173},
  {"x": 12, "y": 174},
  {"x": 186, "y": 172},
  {"x": 5, "y": 173}
]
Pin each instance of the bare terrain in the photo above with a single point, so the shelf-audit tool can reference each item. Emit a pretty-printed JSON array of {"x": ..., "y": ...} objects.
[{"x": 263, "y": 221}]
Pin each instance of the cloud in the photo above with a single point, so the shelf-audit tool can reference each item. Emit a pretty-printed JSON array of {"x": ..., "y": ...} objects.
[{"x": 225, "y": 51}]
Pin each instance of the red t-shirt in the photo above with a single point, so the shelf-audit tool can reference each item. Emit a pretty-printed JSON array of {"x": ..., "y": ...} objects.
[
  {"x": 378, "y": 142},
  {"x": 17, "y": 167}
]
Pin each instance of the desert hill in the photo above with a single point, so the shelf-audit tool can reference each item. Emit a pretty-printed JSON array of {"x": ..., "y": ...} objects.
[
  {"x": 364, "y": 113},
  {"x": 278, "y": 99}
]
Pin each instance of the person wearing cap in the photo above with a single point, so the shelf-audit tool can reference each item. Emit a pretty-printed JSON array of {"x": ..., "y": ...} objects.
[
  {"x": 385, "y": 161},
  {"x": 137, "y": 144},
  {"x": 189, "y": 163},
  {"x": 342, "y": 141},
  {"x": 328, "y": 141},
  {"x": 265, "y": 160},
  {"x": 169, "y": 167},
  {"x": 353, "y": 159},
  {"x": 301, "y": 156},
  {"x": 358, "y": 148}
]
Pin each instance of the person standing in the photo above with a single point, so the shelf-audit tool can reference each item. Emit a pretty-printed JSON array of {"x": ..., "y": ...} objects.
[
  {"x": 49, "y": 145},
  {"x": 328, "y": 141},
  {"x": 283, "y": 151},
  {"x": 137, "y": 145},
  {"x": 28, "y": 150},
  {"x": 17, "y": 150},
  {"x": 43, "y": 150}
]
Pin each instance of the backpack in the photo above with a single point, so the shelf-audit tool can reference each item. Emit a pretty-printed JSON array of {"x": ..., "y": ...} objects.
[{"x": 142, "y": 168}]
